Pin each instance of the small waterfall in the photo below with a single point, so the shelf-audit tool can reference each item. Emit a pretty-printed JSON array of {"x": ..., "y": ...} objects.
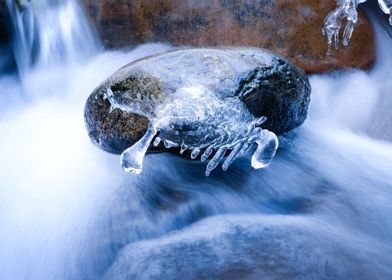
[{"x": 49, "y": 32}]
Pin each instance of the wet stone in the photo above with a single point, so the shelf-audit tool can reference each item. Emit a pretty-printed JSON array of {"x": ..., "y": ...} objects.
[{"x": 204, "y": 101}]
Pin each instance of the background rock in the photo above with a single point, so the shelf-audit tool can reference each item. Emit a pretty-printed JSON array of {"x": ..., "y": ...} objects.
[{"x": 289, "y": 28}]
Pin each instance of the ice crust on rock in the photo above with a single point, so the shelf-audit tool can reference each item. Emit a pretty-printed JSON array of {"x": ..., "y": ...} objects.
[
  {"x": 347, "y": 10},
  {"x": 188, "y": 97}
]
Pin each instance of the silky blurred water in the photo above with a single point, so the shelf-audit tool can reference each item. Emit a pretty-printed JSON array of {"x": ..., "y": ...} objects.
[{"x": 322, "y": 210}]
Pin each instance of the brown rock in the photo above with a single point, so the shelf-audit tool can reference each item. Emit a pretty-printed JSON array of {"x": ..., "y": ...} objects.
[
  {"x": 112, "y": 131},
  {"x": 289, "y": 28}
]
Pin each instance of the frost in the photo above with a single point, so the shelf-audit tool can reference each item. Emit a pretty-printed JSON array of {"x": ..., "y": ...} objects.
[{"x": 347, "y": 10}]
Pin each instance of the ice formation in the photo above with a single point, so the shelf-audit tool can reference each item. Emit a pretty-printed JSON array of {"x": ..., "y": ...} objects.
[
  {"x": 190, "y": 106},
  {"x": 198, "y": 120},
  {"x": 347, "y": 10}
]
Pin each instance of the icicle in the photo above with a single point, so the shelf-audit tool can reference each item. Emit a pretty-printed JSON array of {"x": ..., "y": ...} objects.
[
  {"x": 132, "y": 158},
  {"x": 207, "y": 153},
  {"x": 195, "y": 153},
  {"x": 347, "y": 9},
  {"x": 232, "y": 156},
  {"x": 169, "y": 144},
  {"x": 266, "y": 149},
  {"x": 213, "y": 163},
  {"x": 348, "y": 31},
  {"x": 183, "y": 148},
  {"x": 246, "y": 147},
  {"x": 260, "y": 121},
  {"x": 157, "y": 141},
  {"x": 255, "y": 135}
]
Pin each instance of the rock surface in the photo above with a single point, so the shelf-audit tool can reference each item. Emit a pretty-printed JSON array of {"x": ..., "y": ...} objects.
[
  {"x": 244, "y": 247},
  {"x": 289, "y": 28},
  {"x": 3, "y": 30},
  {"x": 268, "y": 85}
]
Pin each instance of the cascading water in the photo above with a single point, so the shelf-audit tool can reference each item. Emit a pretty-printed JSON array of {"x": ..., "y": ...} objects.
[
  {"x": 47, "y": 33},
  {"x": 321, "y": 209}
]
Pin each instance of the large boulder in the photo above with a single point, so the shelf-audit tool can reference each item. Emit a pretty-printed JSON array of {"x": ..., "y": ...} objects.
[
  {"x": 249, "y": 247},
  {"x": 267, "y": 84},
  {"x": 289, "y": 28}
]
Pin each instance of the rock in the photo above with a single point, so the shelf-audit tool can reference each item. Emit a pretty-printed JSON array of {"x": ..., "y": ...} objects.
[
  {"x": 248, "y": 247},
  {"x": 115, "y": 131},
  {"x": 3, "y": 30},
  {"x": 289, "y": 28},
  {"x": 268, "y": 85}
]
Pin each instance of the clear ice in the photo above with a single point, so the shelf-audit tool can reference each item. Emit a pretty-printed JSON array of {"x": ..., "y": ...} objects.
[
  {"x": 197, "y": 120},
  {"x": 347, "y": 10},
  {"x": 194, "y": 112}
]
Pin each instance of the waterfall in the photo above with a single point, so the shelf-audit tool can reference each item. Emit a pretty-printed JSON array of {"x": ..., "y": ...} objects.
[{"x": 49, "y": 32}]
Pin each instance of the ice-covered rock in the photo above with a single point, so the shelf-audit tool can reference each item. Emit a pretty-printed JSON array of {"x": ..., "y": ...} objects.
[{"x": 208, "y": 100}]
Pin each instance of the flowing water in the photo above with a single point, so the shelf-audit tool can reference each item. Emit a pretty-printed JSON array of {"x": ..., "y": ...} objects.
[
  {"x": 67, "y": 211},
  {"x": 49, "y": 32}
]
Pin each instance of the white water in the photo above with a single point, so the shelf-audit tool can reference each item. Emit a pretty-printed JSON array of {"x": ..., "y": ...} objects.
[
  {"x": 48, "y": 33},
  {"x": 322, "y": 209}
]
